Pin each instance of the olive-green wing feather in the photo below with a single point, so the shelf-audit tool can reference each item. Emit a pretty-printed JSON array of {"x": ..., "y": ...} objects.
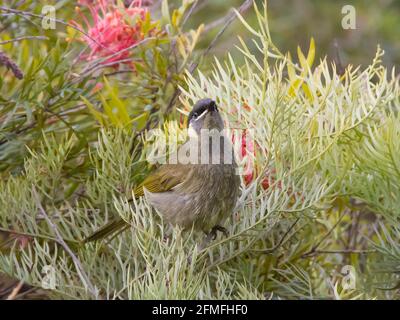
[
  {"x": 111, "y": 228},
  {"x": 163, "y": 179}
]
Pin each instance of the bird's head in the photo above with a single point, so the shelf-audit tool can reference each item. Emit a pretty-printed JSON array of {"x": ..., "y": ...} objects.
[{"x": 204, "y": 115}]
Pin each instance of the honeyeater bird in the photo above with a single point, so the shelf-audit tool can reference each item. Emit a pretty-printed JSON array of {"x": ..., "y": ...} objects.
[{"x": 200, "y": 193}]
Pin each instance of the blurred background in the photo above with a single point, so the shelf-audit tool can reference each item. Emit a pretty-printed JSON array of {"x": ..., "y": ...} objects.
[{"x": 294, "y": 22}]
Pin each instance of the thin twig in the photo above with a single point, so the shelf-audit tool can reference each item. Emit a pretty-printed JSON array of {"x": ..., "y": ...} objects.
[
  {"x": 27, "y": 292},
  {"x": 99, "y": 63},
  {"x": 109, "y": 74},
  {"x": 190, "y": 12},
  {"x": 15, "y": 291},
  {"x": 344, "y": 251},
  {"x": 30, "y": 14},
  {"x": 274, "y": 248},
  {"x": 24, "y": 38},
  {"x": 228, "y": 20},
  {"x": 315, "y": 247},
  {"x": 212, "y": 25},
  {"x": 81, "y": 271}
]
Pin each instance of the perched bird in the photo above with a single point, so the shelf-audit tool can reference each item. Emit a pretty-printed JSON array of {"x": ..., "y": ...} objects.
[{"x": 200, "y": 194}]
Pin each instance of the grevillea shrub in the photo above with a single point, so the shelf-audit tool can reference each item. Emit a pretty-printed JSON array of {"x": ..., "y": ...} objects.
[{"x": 317, "y": 216}]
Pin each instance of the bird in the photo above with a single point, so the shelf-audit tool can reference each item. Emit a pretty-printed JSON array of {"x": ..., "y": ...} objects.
[{"x": 200, "y": 193}]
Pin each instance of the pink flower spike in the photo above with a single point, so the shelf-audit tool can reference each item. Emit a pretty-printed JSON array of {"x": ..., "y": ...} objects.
[
  {"x": 246, "y": 151},
  {"x": 110, "y": 33}
]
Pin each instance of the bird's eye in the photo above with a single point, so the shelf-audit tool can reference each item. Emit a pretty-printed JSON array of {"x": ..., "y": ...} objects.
[{"x": 195, "y": 115}]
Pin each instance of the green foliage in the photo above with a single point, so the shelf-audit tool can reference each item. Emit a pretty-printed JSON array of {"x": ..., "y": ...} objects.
[
  {"x": 62, "y": 93},
  {"x": 323, "y": 196}
]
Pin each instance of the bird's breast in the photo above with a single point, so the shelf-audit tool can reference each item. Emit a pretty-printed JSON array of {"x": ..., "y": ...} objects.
[{"x": 204, "y": 199}]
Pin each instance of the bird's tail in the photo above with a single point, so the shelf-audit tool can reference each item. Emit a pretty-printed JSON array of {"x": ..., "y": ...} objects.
[{"x": 112, "y": 228}]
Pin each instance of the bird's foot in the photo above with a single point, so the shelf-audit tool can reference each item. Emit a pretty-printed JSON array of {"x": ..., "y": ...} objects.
[
  {"x": 212, "y": 235},
  {"x": 223, "y": 230},
  {"x": 215, "y": 229}
]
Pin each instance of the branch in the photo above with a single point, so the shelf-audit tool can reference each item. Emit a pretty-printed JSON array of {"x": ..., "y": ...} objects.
[
  {"x": 271, "y": 250},
  {"x": 30, "y": 14},
  {"x": 313, "y": 250},
  {"x": 24, "y": 38},
  {"x": 15, "y": 291},
  {"x": 344, "y": 251},
  {"x": 99, "y": 62},
  {"x": 190, "y": 12},
  {"x": 228, "y": 20},
  {"x": 81, "y": 271}
]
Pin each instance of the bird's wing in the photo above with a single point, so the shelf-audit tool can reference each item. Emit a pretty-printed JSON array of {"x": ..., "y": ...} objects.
[{"x": 164, "y": 179}]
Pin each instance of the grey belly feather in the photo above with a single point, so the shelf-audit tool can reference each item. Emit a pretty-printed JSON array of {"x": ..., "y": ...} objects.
[{"x": 205, "y": 199}]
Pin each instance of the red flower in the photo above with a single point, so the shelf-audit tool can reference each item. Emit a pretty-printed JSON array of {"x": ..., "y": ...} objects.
[
  {"x": 246, "y": 151},
  {"x": 269, "y": 180},
  {"x": 265, "y": 183},
  {"x": 111, "y": 31},
  {"x": 22, "y": 240}
]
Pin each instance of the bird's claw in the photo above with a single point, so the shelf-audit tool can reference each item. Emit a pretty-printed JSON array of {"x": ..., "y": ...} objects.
[
  {"x": 217, "y": 228},
  {"x": 212, "y": 235}
]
